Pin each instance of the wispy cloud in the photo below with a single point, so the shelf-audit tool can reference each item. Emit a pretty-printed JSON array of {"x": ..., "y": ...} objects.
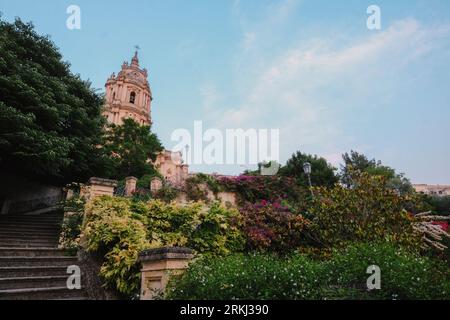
[{"x": 308, "y": 90}]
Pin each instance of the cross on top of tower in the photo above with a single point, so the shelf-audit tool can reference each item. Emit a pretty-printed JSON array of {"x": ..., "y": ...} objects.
[{"x": 135, "y": 60}]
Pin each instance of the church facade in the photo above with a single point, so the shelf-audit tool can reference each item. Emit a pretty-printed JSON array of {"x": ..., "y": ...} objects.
[{"x": 128, "y": 95}]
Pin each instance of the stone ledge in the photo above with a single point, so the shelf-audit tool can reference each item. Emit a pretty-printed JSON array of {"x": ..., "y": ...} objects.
[
  {"x": 166, "y": 253},
  {"x": 103, "y": 182}
]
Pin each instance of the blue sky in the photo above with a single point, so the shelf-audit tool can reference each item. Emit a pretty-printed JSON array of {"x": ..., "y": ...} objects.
[{"x": 310, "y": 68}]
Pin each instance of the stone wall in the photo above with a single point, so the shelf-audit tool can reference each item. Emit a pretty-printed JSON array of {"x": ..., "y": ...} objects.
[{"x": 18, "y": 194}]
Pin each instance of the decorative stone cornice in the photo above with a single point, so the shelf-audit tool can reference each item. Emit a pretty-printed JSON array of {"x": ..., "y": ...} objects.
[
  {"x": 166, "y": 253},
  {"x": 103, "y": 182}
]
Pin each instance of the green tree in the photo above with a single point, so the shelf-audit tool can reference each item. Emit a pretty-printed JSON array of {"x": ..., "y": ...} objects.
[
  {"x": 322, "y": 174},
  {"x": 369, "y": 211},
  {"x": 356, "y": 163},
  {"x": 130, "y": 146},
  {"x": 50, "y": 120}
]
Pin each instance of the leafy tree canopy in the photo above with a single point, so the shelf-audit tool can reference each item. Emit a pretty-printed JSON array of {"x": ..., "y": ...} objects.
[
  {"x": 322, "y": 174},
  {"x": 356, "y": 163},
  {"x": 130, "y": 147},
  {"x": 50, "y": 120}
]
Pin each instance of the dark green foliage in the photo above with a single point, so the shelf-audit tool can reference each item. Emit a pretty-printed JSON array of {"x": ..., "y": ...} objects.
[
  {"x": 356, "y": 163},
  {"x": 130, "y": 146},
  {"x": 370, "y": 211},
  {"x": 50, "y": 120},
  {"x": 258, "y": 188},
  {"x": 249, "y": 277},
  {"x": 404, "y": 275},
  {"x": 166, "y": 193},
  {"x": 72, "y": 223},
  {"x": 439, "y": 205},
  {"x": 322, "y": 174},
  {"x": 197, "y": 185}
]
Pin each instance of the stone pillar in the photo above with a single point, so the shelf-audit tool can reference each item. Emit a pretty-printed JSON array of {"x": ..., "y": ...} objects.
[
  {"x": 155, "y": 184},
  {"x": 130, "y": 185},
  {"x": 158, "y": 265},
  {"x": 101, "y": 187},
  {"x": 69, "y": 194}
]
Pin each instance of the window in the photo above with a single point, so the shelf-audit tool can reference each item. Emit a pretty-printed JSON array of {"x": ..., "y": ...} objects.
[
  {"x": 114, "y": 96},
  {"x": 132, "y": 97}
]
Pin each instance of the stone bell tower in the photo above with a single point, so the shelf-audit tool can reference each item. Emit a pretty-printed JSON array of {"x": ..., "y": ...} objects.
[{"x": 128, "y": 94}]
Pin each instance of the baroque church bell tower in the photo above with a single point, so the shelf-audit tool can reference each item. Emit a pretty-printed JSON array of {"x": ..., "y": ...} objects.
[{"x": 128, "y": 94}]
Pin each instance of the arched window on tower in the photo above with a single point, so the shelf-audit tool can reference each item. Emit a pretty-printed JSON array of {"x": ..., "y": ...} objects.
[
  {"x": 114, "y": 96},
  {"x": 132, "y": 97}
]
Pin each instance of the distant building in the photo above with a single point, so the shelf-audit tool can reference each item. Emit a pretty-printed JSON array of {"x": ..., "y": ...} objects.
[
  {"x": 170, "y": 165},
  {"x": 433, "y": 190}
]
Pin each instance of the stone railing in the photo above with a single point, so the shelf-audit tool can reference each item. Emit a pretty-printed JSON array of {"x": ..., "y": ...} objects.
[{"x": 158, "y": 265}]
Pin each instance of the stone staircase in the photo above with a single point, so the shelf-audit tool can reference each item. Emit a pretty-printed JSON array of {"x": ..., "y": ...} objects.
[{"x": 31, "y": 265}]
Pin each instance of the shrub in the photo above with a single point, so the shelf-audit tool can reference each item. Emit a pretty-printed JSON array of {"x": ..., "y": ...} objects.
[
  {"x": 211, "y": 229},
  {"x": 440, "y": 205},
  {"x": 111, "y": 230},
  {"x": 141, "y": 194},
  {"x": 369, "y": 211},
  {"x": 194, "y": 190},
  {"x": 166, "y": 193},
  {"x": 272, "y": 226},
  {"x": 257, "y": 188},
  {"x": 119, "y": 228},
  {"x": 255, "y": 276},
  {"x": 404, "y": 274},
  {"x": 71, "y": 227}
]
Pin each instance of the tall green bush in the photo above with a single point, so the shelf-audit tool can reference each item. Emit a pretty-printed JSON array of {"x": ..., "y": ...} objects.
[
  {"x": 370, "y": 211},
  {"x": 119, "y": 228},
  {"x": 255, "y": 276},
  {"x": 112, "y": 231},
  {"x": 404, "y": 275}
]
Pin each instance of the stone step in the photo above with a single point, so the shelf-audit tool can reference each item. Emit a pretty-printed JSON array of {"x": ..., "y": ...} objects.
[
  {"x": 29, "y": 226},
  {"x": 45, "y": 215},
  {"x": 30, "y": 252},
  {"x": 41, "y": 293},
  {"x": 36, "y": 222},
  {"x": 33, "y": 282},
  {"x": 30, "y": 229},
  {"x": 16, "y": 261},
  {"x": 28, "y": 235},
  {"x": 29, "y": 245},
  {"x": 8, "y": 272},
  {"x": 30, "y": 232},
  {"x": 30, "y": 220},
  {"x": 31, "y": 238}
]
